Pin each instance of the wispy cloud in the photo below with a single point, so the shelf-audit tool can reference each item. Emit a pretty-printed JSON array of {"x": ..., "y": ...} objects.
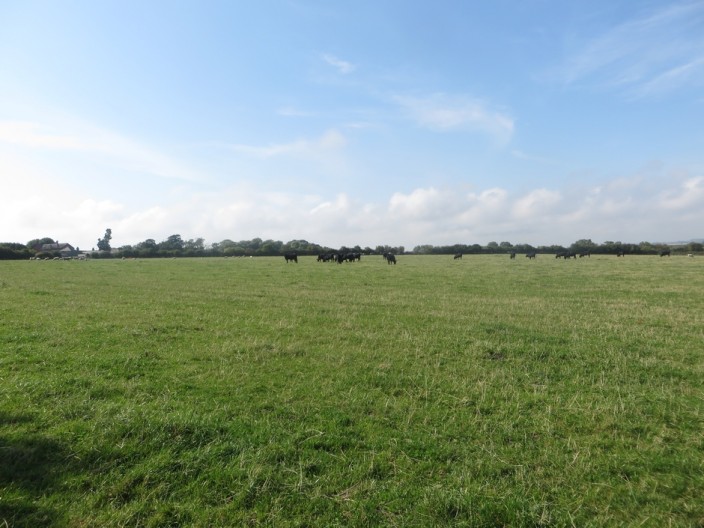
[
  {"x": 329, "y": 141},
  {"x": 90, "y": 140},
  {"x": 340, "y": 65},
  {"x": 290, "y": 111},
  {"x": 652, "y": 53},
  {"x": 534, "y": 158},
  {"x": 35, "y": 135},
  {"x": 441, "y": 112}
]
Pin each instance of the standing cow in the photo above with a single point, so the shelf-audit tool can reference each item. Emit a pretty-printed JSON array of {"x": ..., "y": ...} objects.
[
  {"x": 458, "y": 256},
  {"x": 291, "y": 256}
]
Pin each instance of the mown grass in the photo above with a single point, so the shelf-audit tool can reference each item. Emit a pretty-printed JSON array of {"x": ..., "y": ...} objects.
[{"x": 249, "y": 392}]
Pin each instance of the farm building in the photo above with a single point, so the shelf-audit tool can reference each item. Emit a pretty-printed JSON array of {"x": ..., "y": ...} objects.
[{"x": 66, "y": 250}]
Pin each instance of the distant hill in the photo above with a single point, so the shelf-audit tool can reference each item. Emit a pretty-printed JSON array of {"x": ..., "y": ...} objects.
[
  {"x": 695, "y": 240},
  {"x": 684, "y": 242}
]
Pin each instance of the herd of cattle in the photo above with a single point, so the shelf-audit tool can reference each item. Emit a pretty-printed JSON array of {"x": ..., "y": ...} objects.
[{"x": 390, "y": 258}]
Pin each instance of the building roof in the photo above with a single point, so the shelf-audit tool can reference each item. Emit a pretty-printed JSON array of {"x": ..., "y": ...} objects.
[{"x": 55, "y": 247}]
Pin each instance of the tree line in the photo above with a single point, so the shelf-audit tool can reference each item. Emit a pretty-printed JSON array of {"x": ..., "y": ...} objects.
[
  {"x": 580, "y": 246},
  {"x": 176, "y": 246}
]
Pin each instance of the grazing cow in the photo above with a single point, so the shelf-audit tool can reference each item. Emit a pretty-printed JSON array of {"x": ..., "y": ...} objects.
[
  {"x": 587, "y": 254},
  {"x": 570, "y": 255},
  {"x": 531, "y": 255},
  {"x": 690, "y": 255},
  {"x": 458, "y": 256},
  {"x": 390, "y": 258},
  {"x": 665, "y": 253},
  {"x": 561, "y": 254},
  {"x": 291, "y": 256},
  {"x": 620, "y": 253},
  {"x": 512, "y": 255}
]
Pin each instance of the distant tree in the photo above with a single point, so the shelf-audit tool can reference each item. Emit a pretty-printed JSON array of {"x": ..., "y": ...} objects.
[
  {"x": 647, "y": 247},
  {"x": 128, "y": 251},
  {"x": 425, "y": 249},
  {"x": 524, "y": 248},
  {"x": 234, "y": 251},
  {"x": 584, "y": 245},
  {"x": 38, "y": 242},
  {"x": 611, "y": 247},
  {"x": 148, "y": 248},
  {"x": 555, "y": 248},
  {"x": 104, "y": 243},
  {"x": 14, "y": 251},
  {"x": 196, "y": 245},
  {"x": 506, "y": 246},
  {"x": 274, "y": 247},
  {"x": 172, "y": 244}
]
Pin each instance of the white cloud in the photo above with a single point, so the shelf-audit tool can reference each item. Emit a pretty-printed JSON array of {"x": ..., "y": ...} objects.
[
  {"x": 441, "y": 112},
  {"x": 423, "y": 204},
  {"x": 532, "y": 157},
  {"x": 34, "y": 135},
  {"x": 342, "y": 66},
  {"x": 673, "y": 78},
  {"x": 537, "y": 203},
  {"x": 690, "y": 194},
  {"x": 86, "y": 140},
  {"x": 340, "y": 206},
  {"x": 655, "y": 52},
  {"x": 331, "y": 140}
]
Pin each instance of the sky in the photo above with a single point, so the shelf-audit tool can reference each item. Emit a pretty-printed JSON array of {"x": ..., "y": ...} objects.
[{"x": 352, "y": 123}]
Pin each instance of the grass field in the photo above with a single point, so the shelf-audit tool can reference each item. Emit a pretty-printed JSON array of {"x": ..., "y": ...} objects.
[{"x": 249, "y": 392}]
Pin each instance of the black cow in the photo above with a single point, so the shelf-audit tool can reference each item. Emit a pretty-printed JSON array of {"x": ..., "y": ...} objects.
[
  {"x": 587, "y": 254},
  {"x": 512, "y": 255},
  {"x": 458, "y": 256},
  {"x": 620, "y": 253},
  {"x": 665, "y": 253},
  {"x": 390, "y": 258},
  {"x": 531, "y": 255},
  {"x": 291, "y": 256},
  {"x": 561, "y": 254}
]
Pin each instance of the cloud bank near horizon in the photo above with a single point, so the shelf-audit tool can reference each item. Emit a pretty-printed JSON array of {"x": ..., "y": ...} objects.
[{"x": 428, "y": 215}]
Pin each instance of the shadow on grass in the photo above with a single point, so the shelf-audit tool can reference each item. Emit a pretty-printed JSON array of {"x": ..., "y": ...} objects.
[{"x": 29, "y": 466}]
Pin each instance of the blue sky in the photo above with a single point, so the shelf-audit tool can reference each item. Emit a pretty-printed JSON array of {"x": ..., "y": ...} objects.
[{"x": 344, "y": 123}]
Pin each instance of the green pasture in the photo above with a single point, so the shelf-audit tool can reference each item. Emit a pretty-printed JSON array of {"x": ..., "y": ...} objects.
[{"x": 250, "y": 392}]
